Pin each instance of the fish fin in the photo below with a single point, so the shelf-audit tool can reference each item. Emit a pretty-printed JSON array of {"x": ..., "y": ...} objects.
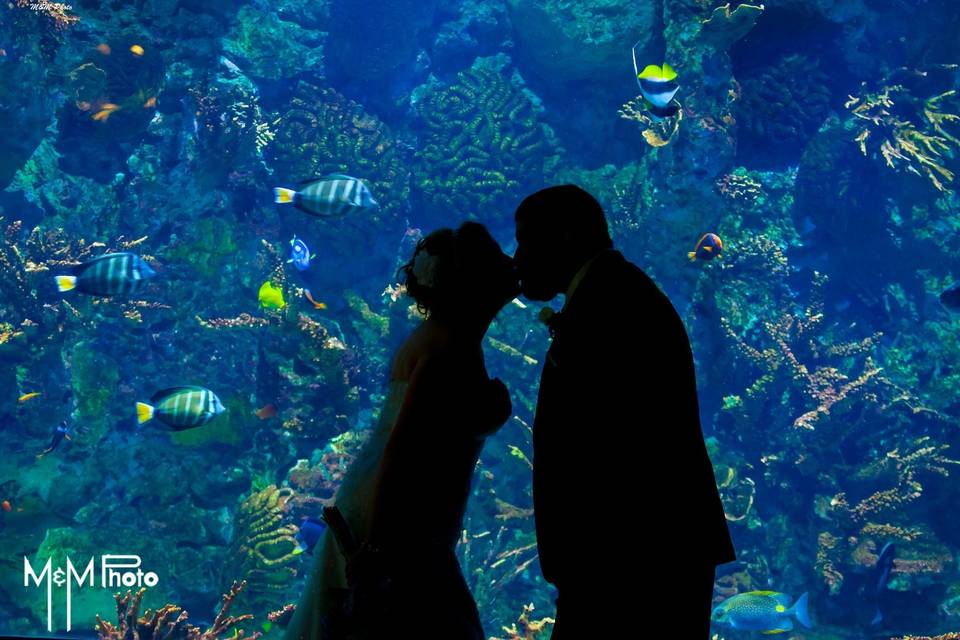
[
  {"x": 667, "y": 72},
  {"x": 692, "y": 255},
  {"x": 800, "y": 611},
  {"x": 773, "y": 631},
  {"x": 297, "y": 551},
  {"x": 163, "y": 393},
  {"x": 339, "y": 176},
  {"x": 649, "y": 71},
  {"x": 144, "y": 412},
  {"x": 66, "y": 283},
  {"x": 282, "y": 195}
]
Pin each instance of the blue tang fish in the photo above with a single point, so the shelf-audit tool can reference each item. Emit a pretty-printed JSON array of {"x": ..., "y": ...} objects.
[
  {"x": 764, "y": 611},
  {"x": 309, "y": 534},
  {"x": 300, "y": 254}
]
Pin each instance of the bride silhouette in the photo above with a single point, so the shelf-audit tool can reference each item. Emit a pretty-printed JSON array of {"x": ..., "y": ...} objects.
[{"x": 403, "y": 498}]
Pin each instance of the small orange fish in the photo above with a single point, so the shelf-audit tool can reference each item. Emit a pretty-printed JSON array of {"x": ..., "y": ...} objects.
[
  {"x": 316, "y": 305},
  {"x": 137, "y": 50},
  {"x": 6, "y": 506},
  {"x": 105, "y": 111},
  {"x": 28, "y": 396},
  {"x": 151, "y": 102},
  {"x": 104, "y": 48},
  {"x": 266, "y": 412}
]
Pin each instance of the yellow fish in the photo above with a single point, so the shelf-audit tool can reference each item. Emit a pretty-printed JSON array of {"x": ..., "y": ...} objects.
[
  {"x": 28, "y": 396},
  {"x": 137, "y": 50},
  {"x": 271, "y": 296},
  {"x": 105, "y": 111}
]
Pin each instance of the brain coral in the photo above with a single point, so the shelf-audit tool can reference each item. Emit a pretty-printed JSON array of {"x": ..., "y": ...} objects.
[
  {"x": 323, "y": 132},
  {"x": 484, "y": 144},
  {"x": 781, "y": 108}
]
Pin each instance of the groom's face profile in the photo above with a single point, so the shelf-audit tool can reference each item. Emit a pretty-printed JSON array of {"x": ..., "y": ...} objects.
[{"x": 537, "y": 260}]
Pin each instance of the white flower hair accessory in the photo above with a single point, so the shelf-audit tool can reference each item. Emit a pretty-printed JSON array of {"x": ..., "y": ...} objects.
[{"x": 425, "y": 268}]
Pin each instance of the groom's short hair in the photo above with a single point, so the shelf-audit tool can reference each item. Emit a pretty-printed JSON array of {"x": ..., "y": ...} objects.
[{"x": 567, "y": 207}]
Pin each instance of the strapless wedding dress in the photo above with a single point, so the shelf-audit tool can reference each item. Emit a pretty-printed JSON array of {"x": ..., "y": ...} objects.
[{"x": 327, "y": 573}]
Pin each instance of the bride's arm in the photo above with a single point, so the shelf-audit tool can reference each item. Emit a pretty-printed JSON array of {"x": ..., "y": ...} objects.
[{"x": 412, "y": 398}]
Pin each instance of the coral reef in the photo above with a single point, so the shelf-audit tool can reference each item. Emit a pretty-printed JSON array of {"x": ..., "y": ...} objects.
[
  {"x": 569, "y": 42},
  {"x": 113, "y": 98},
  {"x": 321, "y": 132},
  {"x": 528, "y": 629},
  {"x": 170, "y": 622},
  {"x": 266, "y": 45},
  {"x": 483, "y": 147},
  {"x": 781, "y": 108},
  {"x": 910, "y": 133},
  {"x": 232, "y": 131},
  {"x": 728, "y": 23},
  {"x": 262, "y": 546}
]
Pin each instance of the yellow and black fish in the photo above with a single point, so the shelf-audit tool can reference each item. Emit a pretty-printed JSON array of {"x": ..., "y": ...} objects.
[
  {"x": 108, "y": 275},
  {"x": 333, "y": 195},
  {"x": 181, "y": 407}
]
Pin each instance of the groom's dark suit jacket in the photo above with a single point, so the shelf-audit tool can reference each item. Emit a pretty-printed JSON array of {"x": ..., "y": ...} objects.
[{"x": 622, "y": 484}]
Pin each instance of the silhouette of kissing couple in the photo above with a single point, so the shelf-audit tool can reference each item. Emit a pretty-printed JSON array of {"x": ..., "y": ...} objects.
[{"x": 629, "y": 521}]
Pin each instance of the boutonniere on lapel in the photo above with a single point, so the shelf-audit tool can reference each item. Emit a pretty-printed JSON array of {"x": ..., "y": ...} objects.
[{"x": 550, "y": 318}]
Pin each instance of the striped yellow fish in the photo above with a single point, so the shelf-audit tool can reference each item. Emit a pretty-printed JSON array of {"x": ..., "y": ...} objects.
[
  {"x": 331, "y": 196},
  {"x": 181, "y": 407}
]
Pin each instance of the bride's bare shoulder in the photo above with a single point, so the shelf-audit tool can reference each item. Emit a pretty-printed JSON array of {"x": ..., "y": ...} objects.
[{"x": 426, "y": 340}]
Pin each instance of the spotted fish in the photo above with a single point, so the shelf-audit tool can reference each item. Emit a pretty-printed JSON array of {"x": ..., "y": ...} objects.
[
  {"x": 181, "y": 407},
  {"x": 108, "y": 275},
  {"x": 765, "y": 611},
  {"x": 331, "y": 196}
]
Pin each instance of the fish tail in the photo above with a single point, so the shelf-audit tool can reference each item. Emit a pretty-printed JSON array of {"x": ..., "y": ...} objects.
[
  {"x": 66, "y": 283},
  {"x": 144, "y": 412},
  {"x": 283, "y": 196},
  {"x": 692, "y": 255},
  {"x": 801, "y": 612}
]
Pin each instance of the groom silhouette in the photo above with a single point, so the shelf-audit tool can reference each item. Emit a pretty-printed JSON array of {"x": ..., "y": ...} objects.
[{"x": 630, "y": 526}]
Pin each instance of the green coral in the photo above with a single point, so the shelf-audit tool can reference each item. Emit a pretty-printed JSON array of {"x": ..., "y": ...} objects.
[
  {"x": 322, "y": 132},
  {"x": 484, "y": 145},
  {"x": 262, "y": 548},
  {"x": 209, "y": 244},
  {"x": 94, "y": 378},
  {"x": 271, "y": 48}
]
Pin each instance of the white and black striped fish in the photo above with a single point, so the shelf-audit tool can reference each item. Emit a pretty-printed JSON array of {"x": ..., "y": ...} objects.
[
  {"x": 330, "y": 196},
  {"x": 181, "y": 407},
  {"x": 108, "y": 275},
  {"x": 658, "y": 84}
]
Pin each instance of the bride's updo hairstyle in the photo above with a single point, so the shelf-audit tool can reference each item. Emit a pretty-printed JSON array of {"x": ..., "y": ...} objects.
[{"x": 450, "y": 269}]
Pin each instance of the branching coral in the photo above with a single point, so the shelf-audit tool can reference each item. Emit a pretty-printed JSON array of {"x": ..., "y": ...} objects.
[
  {"x": 657, "y": 132},
  {"x": 28, "y": 265},
  {"x": 323, "y": 132},
  {"x": 909, "y": 132},
  {"x": 484, "y": 145},
  {"x": 739, "y": 189},
  {"x": 525, "y": 628},
  {"x": 263, "y": 544},
  {"x": 797, "y": 336},
  {"x": 170, "y": 621}
]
